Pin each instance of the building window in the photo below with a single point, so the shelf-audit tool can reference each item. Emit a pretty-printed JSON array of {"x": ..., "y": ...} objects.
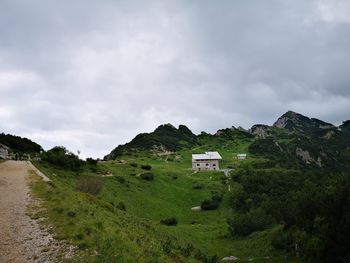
[
  {"x": 214, "y": 164},
  {"x": 207, "y": 164},
  {"x": 198, "y": 164}
]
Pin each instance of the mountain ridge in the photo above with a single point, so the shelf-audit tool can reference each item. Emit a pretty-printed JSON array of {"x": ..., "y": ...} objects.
[{"x": 172, "y": 139}]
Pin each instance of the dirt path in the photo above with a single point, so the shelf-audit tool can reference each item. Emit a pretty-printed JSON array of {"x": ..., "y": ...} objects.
[{"x": 21, "y": 238}]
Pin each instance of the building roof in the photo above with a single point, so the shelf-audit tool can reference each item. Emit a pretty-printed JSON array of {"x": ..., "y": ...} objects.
[
  {"x": 207, "y": 156},
  {"x": 242, "y": 155}
]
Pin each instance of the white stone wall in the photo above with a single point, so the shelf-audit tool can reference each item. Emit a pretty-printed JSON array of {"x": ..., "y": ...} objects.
[{"x": 202, "y": 165}]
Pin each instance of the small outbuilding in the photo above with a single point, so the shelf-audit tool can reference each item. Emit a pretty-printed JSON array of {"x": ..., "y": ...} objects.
[
  {"x": 241, "y": 156},
  {"x": 206, "y": 161}
]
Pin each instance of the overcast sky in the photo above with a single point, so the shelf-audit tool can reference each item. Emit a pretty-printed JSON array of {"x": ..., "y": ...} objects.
[{"x": 90, "y": 75}]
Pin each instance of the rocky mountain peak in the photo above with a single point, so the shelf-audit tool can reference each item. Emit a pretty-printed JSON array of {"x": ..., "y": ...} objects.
[{"x": 297, "y": 122}]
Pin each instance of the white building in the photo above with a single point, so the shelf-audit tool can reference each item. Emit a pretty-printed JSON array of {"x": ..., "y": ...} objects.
[
  {"x": 206, "y": 161},
  {"x": 241, "y": 156}
]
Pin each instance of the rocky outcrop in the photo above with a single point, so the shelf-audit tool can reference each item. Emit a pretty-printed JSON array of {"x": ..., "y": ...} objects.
[
  {"x": 328, "y": 135},
  {"x": 5, "y": 152},
  {"x": 304, "y": 155},
  {"x": 260, "y": 130},
  {"x": 281, "y": 122},
  {"x": 307, "y": 158}
]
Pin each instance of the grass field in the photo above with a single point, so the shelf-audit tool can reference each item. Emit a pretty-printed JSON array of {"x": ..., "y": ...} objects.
[{"x": 122, "y": 222}]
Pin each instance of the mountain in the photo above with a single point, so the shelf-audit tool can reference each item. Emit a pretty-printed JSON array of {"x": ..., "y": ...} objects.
[
  {"x": 165, "y": 138},
  {"x": 298, "y": 141},
  {"x": 296, "y": 122},
  {"x": 293, "y": 141}
]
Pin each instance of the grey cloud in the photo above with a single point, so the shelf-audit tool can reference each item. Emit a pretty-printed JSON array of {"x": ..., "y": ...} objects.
[{"x": 91, "y": 75}]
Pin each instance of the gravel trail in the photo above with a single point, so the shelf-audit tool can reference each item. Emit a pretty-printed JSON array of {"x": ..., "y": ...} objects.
[{"x": 21, "y": 238}]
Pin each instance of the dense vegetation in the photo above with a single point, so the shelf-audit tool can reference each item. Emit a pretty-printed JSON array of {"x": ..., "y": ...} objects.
[
  {"x": 62, "y": 158},
  {"x": 19, "y": 145},
  {"x": 165, "y": 137},
  {"x": 312, "y": 206}
]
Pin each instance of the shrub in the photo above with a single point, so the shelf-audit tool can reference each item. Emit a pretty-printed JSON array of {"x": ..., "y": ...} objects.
[
  {"x": 133, "y": 164},
  {"x": 146, "y": 167},
  {"x": 91, "y": 161},
  {"x": 120, "y": 179},
  {"x": 167, "y": 246},
  {"x": 121, "y": 206},
  {"x": 88, "y": 231},
  {"x": 171, "y": 221},
  {"x": 79, "y": 236},
  {"x": 247, "y": 223},
  {"x": 197, "y": 186},
  {"x": 147, "y": 176},
  {"x": 60, "y": 156},
  {"x": 187, "y": 250},
  {"x": 59, "y": 210},
  {"x": 283, "y": 240},
  {"x": 172, "y": 176},
  {"x": 90, "y": 185},
  {"x": 83, "y": 246},
  {"x": 71, "y": 214},
  {"x": 217, "y": 196},
  {"x": 209, "y": 204}
]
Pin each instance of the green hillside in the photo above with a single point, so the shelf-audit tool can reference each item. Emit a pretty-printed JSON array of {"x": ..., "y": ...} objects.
[
  {"x": 19, "y": 144},
  {"x": 287, "y": 202}
]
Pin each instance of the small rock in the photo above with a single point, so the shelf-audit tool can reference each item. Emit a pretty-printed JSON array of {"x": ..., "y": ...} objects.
[
  {"x": 230, "y": 258},
  {"x": 196, "y": 208}
]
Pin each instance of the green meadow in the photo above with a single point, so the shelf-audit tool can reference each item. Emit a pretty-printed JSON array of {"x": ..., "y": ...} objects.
[{"x": 121, "y": 223}]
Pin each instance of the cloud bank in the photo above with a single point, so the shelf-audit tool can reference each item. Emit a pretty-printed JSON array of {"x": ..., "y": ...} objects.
[{"x": 91, "y": 75}]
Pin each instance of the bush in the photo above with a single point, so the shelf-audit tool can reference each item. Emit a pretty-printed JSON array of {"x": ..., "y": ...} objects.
[
  {"x": 283, "y": 240},
  {"x": 133, "y": 165},
  {"x": 146, "y": 167},
  {"x": 91, "y": 161},
  {"x": 121, "y": 206},
  {"x": 247, "y": 223},
  {"x": 60, "y": 156},
  {"x": 147, "y": 176},
  {"x": 90, "y": 185},
  {"x": 209, "y": 204},
  {"x": 71, "y": 214},
  {"x": 197, "y": 186},
  {"x": 172, "y": 221},
  {"x": 120, "y": 179},
  {"x": 217, "y": 196}
]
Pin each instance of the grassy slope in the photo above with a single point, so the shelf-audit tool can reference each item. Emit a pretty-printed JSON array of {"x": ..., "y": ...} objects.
[{"x": 136, "y": 235}]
